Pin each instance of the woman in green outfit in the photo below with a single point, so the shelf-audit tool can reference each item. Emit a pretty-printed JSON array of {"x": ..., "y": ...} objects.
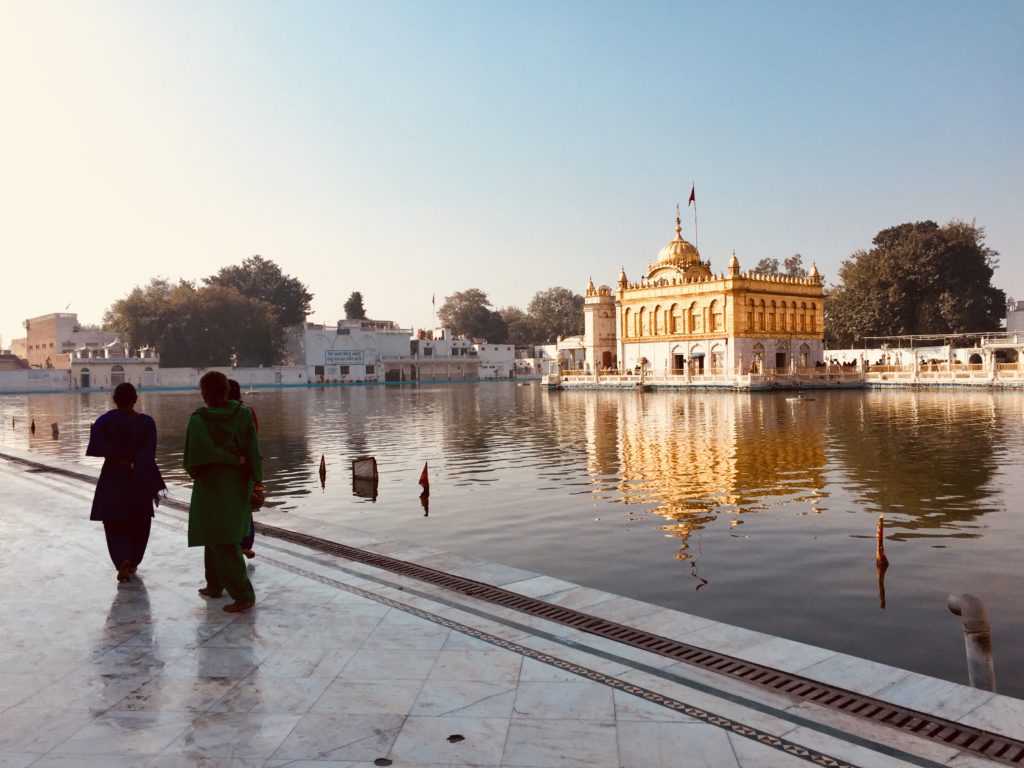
[{"x": 222, "y": 456}]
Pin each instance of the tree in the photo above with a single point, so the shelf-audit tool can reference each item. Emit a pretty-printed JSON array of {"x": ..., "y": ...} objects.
[
  {"x": 261, "y": 279},
  {"x": 198, "y": 327},
  {"x": 793, "y": 266},
  {"x": 557, "y": 312},
  {"x": 918, "y": 278},
  {"x": 469, "y": 312},
  {"x": 141, "y": 316},
  {"x": 354, "y": 307},
  {"x": 522, "y": 328}
]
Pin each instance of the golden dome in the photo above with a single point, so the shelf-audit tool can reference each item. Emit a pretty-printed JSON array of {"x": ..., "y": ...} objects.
[{"x": 678, "y": 252}]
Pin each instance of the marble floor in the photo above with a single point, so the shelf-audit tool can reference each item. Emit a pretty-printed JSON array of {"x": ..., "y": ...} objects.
[{"x": 343, "y": 665}]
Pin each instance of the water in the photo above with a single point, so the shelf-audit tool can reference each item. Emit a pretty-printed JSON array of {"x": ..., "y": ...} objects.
[{"x": 755, "y": 509}]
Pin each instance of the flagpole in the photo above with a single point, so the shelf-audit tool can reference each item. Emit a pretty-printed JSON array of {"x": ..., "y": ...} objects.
[{"x": 696, "y": 235}]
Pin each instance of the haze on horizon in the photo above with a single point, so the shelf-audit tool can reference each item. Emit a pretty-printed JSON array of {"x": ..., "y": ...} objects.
[{"x": 411, "y": 149}]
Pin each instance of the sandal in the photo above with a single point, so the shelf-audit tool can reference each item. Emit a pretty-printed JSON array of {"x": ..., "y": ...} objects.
[{"x": 238, "y": 607}]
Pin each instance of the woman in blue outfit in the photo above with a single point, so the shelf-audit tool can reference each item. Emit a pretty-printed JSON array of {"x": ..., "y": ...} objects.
[{"x": 130, "y": 482}]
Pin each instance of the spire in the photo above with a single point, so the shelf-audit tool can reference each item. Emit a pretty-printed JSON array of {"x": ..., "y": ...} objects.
[{"x": 679, "y": 224}]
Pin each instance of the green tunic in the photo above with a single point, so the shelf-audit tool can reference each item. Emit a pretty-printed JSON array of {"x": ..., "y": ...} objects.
[{"x": 221, "y": 507}]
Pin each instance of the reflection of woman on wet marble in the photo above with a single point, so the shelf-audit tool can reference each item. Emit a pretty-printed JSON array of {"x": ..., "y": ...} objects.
[
  {"x": 222, "y": 456},
  {"x": 129, "y": 482}
]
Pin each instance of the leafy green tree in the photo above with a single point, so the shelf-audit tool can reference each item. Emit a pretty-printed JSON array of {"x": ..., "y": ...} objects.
[
  {"x": 469, "y": 312},
  {"x": 918, "y": 278},
  {"x": 522, "y": 328},
  {"x": 140, "y": 317},
  {"x": 557, "y": 312},
  {"x": 198, "y": 327},
  {"x": 354, "y": 307},
  {"x": 767, "y": 267},
  {"x": 261, "y": 279}
]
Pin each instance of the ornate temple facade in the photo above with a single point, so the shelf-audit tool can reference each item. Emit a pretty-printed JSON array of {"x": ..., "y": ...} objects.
[{"x": 682, "y": 319}]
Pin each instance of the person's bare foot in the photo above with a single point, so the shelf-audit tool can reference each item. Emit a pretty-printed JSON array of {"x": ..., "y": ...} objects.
[
  {"x": 207, "y": 592},
  {"x": 249, "y": 553},
  {"x": 238, "y": 607},
  {"x": 124, "y": 573}
]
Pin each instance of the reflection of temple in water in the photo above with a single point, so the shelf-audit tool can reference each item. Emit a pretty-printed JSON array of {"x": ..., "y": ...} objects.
[{"x": 692, "y": 459}]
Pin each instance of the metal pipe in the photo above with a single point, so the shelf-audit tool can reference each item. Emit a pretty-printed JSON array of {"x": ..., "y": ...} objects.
[{"x": 977, "y": 639}]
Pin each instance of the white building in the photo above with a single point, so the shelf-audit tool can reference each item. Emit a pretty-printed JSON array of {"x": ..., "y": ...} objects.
[
  {"x": 1015, "y": 318},
  {"x": 497, "y": 361},
  {"x": 113, "y": 364},
  {"x": 379, "y": 351},
  {"x": 351, "y": 351}
]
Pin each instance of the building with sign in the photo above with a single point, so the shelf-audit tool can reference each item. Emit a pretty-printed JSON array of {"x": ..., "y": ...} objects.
[
  {"x": 351, "y": 351},
  {"x": 681, "y": 319},
  {"x": 379, "y": 351}
]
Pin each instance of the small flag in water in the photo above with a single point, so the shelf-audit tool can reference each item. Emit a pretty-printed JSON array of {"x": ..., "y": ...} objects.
[{"x": 424, "y": 479}]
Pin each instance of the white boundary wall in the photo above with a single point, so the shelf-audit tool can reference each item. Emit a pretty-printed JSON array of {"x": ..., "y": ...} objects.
[
  {"x": 275, "y": 376},
  {"x": 35, "y": 381}
]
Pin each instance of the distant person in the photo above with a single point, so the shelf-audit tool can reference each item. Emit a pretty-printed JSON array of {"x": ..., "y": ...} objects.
[
  {"x": 235, "y": 393},
  {"x": 129, "y": 483},
  {"x": 222, "y": 456}
]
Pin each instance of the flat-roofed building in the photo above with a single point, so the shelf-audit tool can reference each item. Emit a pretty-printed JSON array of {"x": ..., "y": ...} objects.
[{"x": 51, "y": 339}]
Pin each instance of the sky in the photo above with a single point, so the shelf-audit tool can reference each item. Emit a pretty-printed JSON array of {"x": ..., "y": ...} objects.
[{"x": 409, "y": 150}]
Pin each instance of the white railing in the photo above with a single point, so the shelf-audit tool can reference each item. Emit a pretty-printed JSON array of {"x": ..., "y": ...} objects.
[{"x": 924, "y": 373}]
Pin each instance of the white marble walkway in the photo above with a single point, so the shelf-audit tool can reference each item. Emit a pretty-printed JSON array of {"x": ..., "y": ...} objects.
[{"x": 343, "y": 665}]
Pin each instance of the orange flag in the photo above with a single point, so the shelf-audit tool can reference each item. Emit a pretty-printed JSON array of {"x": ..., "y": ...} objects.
[{"x": 424, "y": 479}]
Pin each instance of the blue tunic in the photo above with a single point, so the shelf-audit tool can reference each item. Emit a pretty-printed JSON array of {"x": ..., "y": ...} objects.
[{"x": 130, "y": 480}]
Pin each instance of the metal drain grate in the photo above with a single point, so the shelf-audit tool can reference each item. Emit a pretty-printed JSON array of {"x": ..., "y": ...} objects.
[
  {"x": 990, "y": 745},
  {"x": 975, "y": 740}
]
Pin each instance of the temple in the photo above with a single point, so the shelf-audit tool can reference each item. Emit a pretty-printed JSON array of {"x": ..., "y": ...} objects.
[{"x": 680, "y": 319}]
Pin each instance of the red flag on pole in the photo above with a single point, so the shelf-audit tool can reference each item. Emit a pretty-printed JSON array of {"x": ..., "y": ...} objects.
[
  {"x": 424, "y": 480},
  {"x": 693, "y": 196}
]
